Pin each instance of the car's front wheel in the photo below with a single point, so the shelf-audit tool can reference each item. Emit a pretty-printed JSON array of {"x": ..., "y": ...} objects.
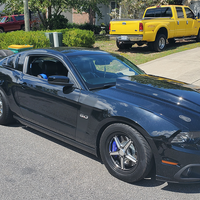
[
  {"x": 5, "y": 112},
  {"x": 125, "y": 153}
]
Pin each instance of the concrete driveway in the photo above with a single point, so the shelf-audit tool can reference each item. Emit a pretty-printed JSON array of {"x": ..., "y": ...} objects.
[{"x": 183, "y": 66}]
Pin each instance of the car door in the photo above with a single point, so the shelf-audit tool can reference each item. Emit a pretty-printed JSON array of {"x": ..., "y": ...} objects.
[
  {"x": 45, "y": 104},
  {"x": 10, "y": 24},
  {"x": 180, "y": 25},
  {"x": 191, "y": 22}
]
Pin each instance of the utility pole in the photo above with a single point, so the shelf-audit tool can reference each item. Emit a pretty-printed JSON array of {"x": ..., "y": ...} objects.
[{"x": 26, "y": 16}]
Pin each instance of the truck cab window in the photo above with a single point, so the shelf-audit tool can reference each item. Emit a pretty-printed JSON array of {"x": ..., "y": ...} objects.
[
  {"x": 189, "y": 13},
  {"x": 179, "y": 11}
]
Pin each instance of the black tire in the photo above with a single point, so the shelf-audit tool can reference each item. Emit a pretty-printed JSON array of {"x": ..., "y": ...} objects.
[
  {"x": 1, "y": 30},
  {"x": 171, "y": 41},
  {"x": 160, "y": 42},
  {"x": 23, "y": 28},
  {"x": 198, "y": 36},
  {"x": 5, "y": 52},
  {"x": 123, "y": 45},
  {"x": 6, "y": 116},
  {"x": 125, "y": 153}
]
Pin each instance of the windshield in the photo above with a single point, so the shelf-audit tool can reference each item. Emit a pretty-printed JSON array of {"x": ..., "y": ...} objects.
[{"x": 102, "y": 70}]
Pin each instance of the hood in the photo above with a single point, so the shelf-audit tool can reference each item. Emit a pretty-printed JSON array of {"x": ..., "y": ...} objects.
[{"x": 168, "y": 90}]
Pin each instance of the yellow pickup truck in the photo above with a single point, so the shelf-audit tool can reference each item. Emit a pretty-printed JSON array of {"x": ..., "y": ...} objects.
[{"x": 158, "y": 24}]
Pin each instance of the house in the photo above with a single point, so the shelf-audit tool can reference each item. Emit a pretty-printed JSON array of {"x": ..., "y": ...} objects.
[{"x": 84, "y": 17}]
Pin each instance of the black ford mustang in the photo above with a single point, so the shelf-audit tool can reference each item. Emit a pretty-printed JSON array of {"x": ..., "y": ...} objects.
[{"x": 104, "y": 104}]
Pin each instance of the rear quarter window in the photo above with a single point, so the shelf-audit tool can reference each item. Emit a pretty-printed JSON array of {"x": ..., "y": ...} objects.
[
  {"x": 19, "y": 17},
  {"x": 159, "y": 12}
]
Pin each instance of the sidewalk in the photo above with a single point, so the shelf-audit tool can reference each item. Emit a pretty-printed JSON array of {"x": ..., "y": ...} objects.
[{"x": 183, "y": 66}]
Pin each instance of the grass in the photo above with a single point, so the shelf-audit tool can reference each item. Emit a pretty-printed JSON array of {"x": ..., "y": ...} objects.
[{"x": 142, "y": 54}]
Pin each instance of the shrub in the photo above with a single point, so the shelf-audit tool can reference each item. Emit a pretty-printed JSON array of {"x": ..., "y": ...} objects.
[
  {"x": 35, "y": 38},
  {"x": 78, "y": 38}
]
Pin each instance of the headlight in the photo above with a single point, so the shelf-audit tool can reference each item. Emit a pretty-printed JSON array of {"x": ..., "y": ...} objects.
[{"x": 188, "y": 140}]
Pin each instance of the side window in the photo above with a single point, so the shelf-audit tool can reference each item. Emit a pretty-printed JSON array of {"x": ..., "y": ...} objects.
[
  {"x": 159, "y": 12},
  {"x": 44, "y": 66},
  {"x": 10, "y": 19},
  {"x": 189, "y": 13},
  {"x": 179, "y": 11},
  {"x": 18, "y": 64},
  {"x": 19, "y": 17}
]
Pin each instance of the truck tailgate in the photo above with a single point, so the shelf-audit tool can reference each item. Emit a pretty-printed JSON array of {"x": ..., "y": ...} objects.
[{"x": 125, "y": 27}]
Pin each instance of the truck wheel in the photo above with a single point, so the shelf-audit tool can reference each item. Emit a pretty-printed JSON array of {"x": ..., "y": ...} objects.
[
  {"x": 5, "y": 112},
  {"x": 160, "y": 42},
  {"x": 198, "y": 36},
  {"x": 122, "y": 45},
  {"x": 1, "y": 30}
]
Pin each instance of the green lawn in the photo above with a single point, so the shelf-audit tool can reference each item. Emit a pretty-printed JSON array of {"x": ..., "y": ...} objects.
[{"x": 142, "y": 54}]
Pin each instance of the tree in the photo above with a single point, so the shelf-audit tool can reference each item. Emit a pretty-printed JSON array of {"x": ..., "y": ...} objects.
[
  {"x": 135, "y": 8},
  {"x": 48, "y": 10}
]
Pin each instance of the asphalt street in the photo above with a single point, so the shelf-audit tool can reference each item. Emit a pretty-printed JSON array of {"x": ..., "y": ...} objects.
[{"x": 34, "y": 166}]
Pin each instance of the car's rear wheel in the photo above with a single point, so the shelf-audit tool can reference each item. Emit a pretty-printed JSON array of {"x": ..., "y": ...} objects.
[
  {"x": 5, "y": 112},
  {"x": 125, "y": 153},
  {"x": 23, "y": 27},
  {"x": 160, "y": 42}
]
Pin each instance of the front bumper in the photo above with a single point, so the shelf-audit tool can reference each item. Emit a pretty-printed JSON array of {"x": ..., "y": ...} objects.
[
  {"x": 187, "y": 169},
  {"x": 126, "y": 38}
]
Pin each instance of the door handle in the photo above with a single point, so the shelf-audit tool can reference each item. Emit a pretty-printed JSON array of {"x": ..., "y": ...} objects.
[
  {"x": 178, "y": 22},
  {"x": 186, "y": 22}
]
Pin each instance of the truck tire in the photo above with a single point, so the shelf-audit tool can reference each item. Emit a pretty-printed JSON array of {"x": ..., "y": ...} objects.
[
  {"x": 122, "y": 45},
  {"x": 5, "y": 52},
  {"x": 160, "y": 42},
  {"x": 23, "y": 28},
  {"x": 198, "y": 36},
  {"x": 1, "y": 30}
]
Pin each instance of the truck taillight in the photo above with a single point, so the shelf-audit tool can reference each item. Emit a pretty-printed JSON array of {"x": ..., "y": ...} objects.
[
  {"x": 141, "y": 27},
  {"x": 109, "y": 27}
]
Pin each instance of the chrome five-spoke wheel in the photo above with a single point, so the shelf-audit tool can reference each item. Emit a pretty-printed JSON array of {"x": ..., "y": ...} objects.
[{"x": 123, "y": 152}]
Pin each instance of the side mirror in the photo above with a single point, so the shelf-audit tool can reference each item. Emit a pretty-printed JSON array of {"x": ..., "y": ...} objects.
[{"x": 59, "y": 80}]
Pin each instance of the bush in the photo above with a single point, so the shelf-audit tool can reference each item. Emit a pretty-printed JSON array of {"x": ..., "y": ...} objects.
[
  {"x": 78, "y": 38},
  {"x": 35, "y": 38},
  {"x": 86, "y": 26},
  {"x": 57, "y": 22}
]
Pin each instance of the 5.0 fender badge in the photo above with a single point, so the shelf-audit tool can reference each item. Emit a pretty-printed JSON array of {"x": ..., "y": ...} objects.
[{"x": 83, "y": 116}]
